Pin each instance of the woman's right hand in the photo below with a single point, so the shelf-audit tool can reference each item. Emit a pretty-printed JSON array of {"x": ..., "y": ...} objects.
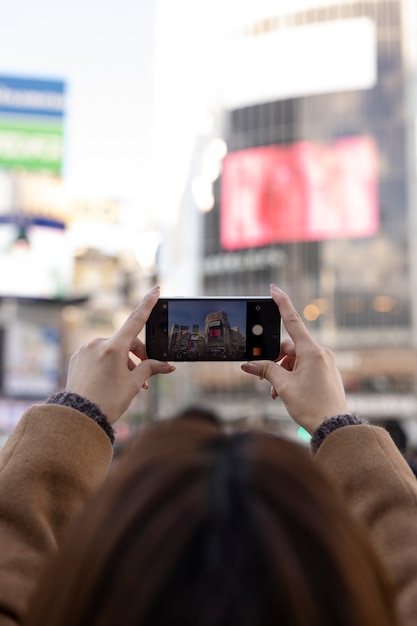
[
  {"x": 305, "y": 376},
  {"x": 104, "y": 372}
]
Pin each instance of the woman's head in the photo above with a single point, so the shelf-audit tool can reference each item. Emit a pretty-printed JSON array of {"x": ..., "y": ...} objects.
[{"x": 197, "y": 527}]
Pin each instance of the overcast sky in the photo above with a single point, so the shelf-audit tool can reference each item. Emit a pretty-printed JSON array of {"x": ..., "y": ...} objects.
[{"x": 103, "y": 50}]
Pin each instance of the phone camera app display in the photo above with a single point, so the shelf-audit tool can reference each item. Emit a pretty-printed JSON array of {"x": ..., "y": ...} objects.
[
  {"x": 213, "y": 329},
  {"x": 198, "y": 332}
]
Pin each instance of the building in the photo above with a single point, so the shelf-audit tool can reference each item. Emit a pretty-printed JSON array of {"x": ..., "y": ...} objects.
[
  {"x": 316, "y": 102},
  {"x": 217, "y": 335}
]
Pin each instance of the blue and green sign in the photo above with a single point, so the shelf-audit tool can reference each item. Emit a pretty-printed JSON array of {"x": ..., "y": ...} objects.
[{"x": 31, "y": 124}]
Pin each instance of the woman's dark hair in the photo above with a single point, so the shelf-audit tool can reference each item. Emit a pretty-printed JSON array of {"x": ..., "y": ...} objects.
[{"x": 196, "y": 527}]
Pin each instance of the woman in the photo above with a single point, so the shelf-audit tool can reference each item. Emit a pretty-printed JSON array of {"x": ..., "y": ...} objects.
[{"x": 196, "y": 526}]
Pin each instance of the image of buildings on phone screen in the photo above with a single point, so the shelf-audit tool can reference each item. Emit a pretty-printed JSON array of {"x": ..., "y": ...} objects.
[{"x": 214, "y": 338}]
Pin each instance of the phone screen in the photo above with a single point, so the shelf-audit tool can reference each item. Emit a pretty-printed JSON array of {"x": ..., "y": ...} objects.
[{"x": 213, "y": 329}]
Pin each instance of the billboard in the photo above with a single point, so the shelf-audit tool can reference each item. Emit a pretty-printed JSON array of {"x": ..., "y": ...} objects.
[
  {"x": 31, "y": 124},
  {"x": 30, "y": 96},
  {"x": 300, "y": 192},
  {"x": 37, "y": 374},
  {"x": 35, "y": 260},
  {"x": 33, "y": 147},
  {"x": 291, "y": 62}
]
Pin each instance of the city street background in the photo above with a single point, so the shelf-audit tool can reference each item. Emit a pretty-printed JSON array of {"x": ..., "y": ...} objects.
[{"x": 213, "y": 148}]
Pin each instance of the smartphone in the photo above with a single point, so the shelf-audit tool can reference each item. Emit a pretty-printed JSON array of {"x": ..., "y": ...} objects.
[{"x": 214, "y": 329}]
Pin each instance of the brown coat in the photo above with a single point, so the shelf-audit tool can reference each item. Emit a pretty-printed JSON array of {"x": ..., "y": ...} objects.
[
  {"x": 54, "y": 458},
  {"x": 382, "y": 492},
  {"x": 57, "y": 456}
]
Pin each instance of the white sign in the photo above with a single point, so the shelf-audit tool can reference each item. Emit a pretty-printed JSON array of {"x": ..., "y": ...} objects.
[{"x": 326, "y": 57}]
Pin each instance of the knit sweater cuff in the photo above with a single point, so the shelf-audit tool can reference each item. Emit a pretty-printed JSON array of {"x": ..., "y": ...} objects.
[
  {"x": 331, "y": 424},
  {"x": 90, "y": 409}
]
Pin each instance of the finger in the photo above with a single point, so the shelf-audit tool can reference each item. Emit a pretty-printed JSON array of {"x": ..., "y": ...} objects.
[
  {"x": 288, "y": 363},
  {"x": 287, "y": 348},
  {"x": 290, "y": 317},
  {"x": 137, "y": 319},
  {"x": 270, "y": 371},
  {"x": 264, "y": 369},
  {"x": 138, "y": 348},
  {"x": 151, "y": 367}
]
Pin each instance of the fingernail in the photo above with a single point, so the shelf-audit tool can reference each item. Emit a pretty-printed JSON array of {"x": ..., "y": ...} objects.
[
  {"x": 155, "y": 289},
  {"x": 275, "y": 288},
  {"x": 166, "y": 368},
  {"x": 250, "y": 367}
]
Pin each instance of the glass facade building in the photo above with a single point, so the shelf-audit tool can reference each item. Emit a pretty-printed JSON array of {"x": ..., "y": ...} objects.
[{"x": 317, "y": 194}]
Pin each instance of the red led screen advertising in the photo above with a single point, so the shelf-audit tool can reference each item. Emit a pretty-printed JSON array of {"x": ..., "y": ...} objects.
[{"x": 301, "y": 192}]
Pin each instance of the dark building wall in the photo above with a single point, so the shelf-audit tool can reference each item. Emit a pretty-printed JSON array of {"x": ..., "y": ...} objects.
[{"x": 360, "y": 286}]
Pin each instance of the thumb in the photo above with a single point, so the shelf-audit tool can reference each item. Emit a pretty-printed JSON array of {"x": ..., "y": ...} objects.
[
  {"x": 268, "y": 370},
  {"x": 150, "y": 367}
]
